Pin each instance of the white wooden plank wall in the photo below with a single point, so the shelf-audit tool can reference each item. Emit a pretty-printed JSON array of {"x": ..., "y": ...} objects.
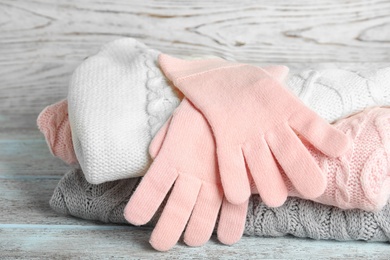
[{"x": 42, "y": 42}]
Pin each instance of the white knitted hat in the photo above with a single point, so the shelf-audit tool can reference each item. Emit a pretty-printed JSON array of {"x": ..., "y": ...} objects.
[{"x": 118, "y": 99}]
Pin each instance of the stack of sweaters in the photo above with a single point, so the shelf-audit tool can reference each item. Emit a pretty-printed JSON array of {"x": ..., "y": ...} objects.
[{"x": 223, "y": 147}]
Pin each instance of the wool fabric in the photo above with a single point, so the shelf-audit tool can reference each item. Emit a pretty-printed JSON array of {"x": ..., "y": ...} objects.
[
  {"x": 112, "y": 102},
  {"x": 338, "y": 93},
  {"x": 105, "y": 202},
  {"x": 331, "y": 93},
  {"x": 358, "y": 179},
  {"x": 254, "y": 121},
  {"x": 361, "y": 177},
  {"x": 53, "y": 122},
  {"x": 196, "y": 196},
  {"x": 321, "y": 90}
]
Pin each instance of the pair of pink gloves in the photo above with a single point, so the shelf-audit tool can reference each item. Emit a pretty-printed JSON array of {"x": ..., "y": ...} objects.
[{"x": 236, "y": 124}]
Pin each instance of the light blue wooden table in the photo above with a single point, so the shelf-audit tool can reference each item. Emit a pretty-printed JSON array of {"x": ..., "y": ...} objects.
[{"x": 41, "y": 43}]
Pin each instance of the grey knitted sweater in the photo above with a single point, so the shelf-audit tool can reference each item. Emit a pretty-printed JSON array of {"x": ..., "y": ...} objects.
[{"x": 302, "y": 218}]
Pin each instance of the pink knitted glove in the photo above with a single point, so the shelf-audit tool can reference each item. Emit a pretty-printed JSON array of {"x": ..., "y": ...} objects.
[
  {"x": 53, "y": 122},
  {"x": 198, "y": 230},
  {"x": 253, "y": 118},
  {"x": 185, "y": 160}
]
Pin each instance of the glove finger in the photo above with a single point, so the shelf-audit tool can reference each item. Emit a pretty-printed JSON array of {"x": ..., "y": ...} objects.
[
  {"x": 234, "y": 176},
  {"x": 231, "y": 222},
  {"x": 204, "y": 216},
  {"x": 150, "y": 193},
  {"x": 176, "y": 213},
  {"x": 158, "y": 139},
  {"x": 319, "y": 132},
  {"x": 298, "y": 164},
  {"x": 265, "y": 173}
]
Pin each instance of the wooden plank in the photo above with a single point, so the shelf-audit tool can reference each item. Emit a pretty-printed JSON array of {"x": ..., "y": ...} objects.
[
  {"x": 102, "y": 242},
  {"x": 25, "y": 210},
  {"x": 38, "y": 56},
  {"x": 305, "y": 31},
  {"x": 28, "y": 227},
  {"x": 28, "y": 156},
  {"x": 26, "y": 201},
  {"x": 42, "y": 42}
]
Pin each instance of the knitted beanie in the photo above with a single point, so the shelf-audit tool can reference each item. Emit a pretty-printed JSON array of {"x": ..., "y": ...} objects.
[
  {"x": 298, "y": 217},
  {"x": 118, "y": 99}
]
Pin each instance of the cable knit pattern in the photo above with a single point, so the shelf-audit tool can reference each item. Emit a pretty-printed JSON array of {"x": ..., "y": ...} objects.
[
  {"x": 336, "y": 93},
  {"x": 360, "y": 178},
  {"x": 298, "y": 217},
  {"x": 161, "y": 97},
  {"x": 303, "y": 218},
  {"x": 87, "y": 200}
]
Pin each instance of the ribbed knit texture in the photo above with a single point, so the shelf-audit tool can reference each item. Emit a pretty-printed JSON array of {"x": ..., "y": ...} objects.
[
  {"x": 118, "y": 99},
  {"x": 298, "y": 217}
]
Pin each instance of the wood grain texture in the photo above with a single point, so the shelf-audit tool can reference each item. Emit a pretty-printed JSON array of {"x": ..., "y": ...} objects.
[
  {"x": 92, "y": 242},
  {"x": 246, "y": 30},
  {"x": 21, "y": 158},
  {"x": 42, "y": 42}
]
